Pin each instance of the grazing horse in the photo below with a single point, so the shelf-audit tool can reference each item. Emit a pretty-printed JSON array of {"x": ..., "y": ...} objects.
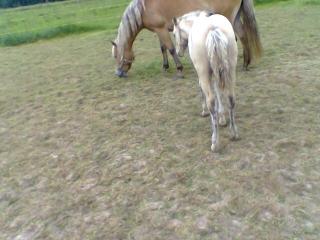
[
  {"x": 213, "y": 51},
  {"x": 157, "y": 15}
]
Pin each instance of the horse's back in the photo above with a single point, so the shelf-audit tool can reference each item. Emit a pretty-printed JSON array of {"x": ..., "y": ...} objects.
[{"x": 161, "y": 12}]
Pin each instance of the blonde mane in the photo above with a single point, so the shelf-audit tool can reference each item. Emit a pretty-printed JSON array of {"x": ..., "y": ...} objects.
[{"x": 131, "y": 23}]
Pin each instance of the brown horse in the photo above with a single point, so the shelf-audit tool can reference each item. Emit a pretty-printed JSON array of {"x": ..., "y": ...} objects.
[{"x": 157, "y": 15}]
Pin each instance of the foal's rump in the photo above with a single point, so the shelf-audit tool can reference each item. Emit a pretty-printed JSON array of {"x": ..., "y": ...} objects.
[
  {"x": 222, "y": 49},
  {"x": 217, "y": 45}
]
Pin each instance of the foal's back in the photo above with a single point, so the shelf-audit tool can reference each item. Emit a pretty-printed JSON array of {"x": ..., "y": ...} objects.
[
  {"x": 199, "y": 32},
  {"x": 202, "y": 25}
]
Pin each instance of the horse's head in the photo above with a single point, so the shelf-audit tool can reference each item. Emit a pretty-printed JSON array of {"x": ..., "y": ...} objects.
[
  {"x": 181, "y": 37},
  {"x": 124, "y": 59}
]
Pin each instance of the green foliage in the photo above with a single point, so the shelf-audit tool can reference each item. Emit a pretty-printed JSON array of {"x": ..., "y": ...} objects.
[{"x": 44, "y": 21}]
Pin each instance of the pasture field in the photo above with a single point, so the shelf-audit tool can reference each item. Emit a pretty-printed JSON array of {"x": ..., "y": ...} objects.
[
  {"x": 44, "y": 21},
  {"x": 85, "y": 155}
]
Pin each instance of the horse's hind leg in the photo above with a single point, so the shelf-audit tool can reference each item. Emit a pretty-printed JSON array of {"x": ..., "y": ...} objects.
[
  {"x": 238, "y": 27},
  {"x": 164, "y": 37},
  {"x": 246, "y": 53},
  {"x": 164, "y": 55}
]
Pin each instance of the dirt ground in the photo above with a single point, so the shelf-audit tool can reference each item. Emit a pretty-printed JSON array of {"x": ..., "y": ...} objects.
[{"x": 85, "y": 155}]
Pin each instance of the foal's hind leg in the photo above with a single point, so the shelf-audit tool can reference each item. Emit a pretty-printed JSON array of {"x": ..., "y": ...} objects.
[
  {"x": 231, "y": 104},
  {"x": 164, "y": 55},
  {"x": 164, "y": 37},
  {"x": 213, "y": 106},
  {"x": 222, "y": 119},
  {"x": 205, "y": 112}
]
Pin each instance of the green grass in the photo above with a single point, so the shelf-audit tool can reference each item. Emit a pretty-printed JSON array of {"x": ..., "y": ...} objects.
[
  {"x": 86, "y": 155},
  {"x": 259, "y": 2},
  {"x": 33, "y": 36},
  {"x": 29, "y": 24},
  {"x": 46, "y": 21}
]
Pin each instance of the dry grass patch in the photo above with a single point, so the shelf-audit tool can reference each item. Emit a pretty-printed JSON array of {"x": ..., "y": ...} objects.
[{"x": 85, "y": 155}]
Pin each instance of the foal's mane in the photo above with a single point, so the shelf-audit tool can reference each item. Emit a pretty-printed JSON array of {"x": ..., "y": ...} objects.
[
  {"x": 131, "y": 23},
  {"x": 193, "y": 14},
  {"x": 189, "y": 18}
]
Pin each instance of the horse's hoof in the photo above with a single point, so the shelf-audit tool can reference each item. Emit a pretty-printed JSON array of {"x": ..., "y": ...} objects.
[
  {"x": 165, "y": 68},
  {"x": 245, "y": 68},
  {"x": 204, "y": 114},
  {"x": 222, "y": 121}
]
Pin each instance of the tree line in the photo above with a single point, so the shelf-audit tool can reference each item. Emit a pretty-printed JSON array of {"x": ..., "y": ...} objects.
[{"x": 17, "y": 3}]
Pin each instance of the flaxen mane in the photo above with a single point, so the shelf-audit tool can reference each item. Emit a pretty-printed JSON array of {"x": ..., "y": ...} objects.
[{"x": 131, "y": 22}]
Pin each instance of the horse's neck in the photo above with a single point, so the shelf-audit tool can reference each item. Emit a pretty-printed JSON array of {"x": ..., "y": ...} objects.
[
  {"x": 127, "y": 43},
  {"x": 131, "y": 24}
]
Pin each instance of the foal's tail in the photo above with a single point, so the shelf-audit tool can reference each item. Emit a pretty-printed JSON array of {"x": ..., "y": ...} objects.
[
  {"x": 246, "y": 20},
  {"x": 217, "y": 46}
]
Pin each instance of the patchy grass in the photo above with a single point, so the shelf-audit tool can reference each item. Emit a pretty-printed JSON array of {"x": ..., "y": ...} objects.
[{"x": 85, "y": 155}]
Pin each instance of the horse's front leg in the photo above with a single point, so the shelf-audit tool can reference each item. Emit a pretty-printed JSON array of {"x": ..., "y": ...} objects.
[
  {"x": 163, "y": 48},
  {"x": 164, "y": 37}
]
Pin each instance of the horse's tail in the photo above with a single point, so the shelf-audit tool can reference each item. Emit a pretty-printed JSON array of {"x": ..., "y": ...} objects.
[
  {"x": 217, "y": 46},
  {"x": 246, "y": 20}
]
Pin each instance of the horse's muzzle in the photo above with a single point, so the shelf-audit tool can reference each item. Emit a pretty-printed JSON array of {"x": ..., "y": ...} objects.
[{"x": 120, "y": 73}]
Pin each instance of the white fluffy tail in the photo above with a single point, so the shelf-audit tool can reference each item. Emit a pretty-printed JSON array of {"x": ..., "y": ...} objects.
[{"x": 217, "y": 45}]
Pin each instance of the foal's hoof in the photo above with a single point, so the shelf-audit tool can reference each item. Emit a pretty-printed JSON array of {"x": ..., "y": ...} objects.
[
  {"x": 235, "y": 137},
  {"x": 204, "y": 114},
  {"x": 214, "y": 147},
  {"x": 222, "y": 121},
  {"x": 179, "y": 75}
]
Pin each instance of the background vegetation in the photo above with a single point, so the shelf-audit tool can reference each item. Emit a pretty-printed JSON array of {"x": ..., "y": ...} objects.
[
  {"x": 45, "y": 21},
  {"x": 17, "y": 3},
  {"x": 25, "y": 25}
]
